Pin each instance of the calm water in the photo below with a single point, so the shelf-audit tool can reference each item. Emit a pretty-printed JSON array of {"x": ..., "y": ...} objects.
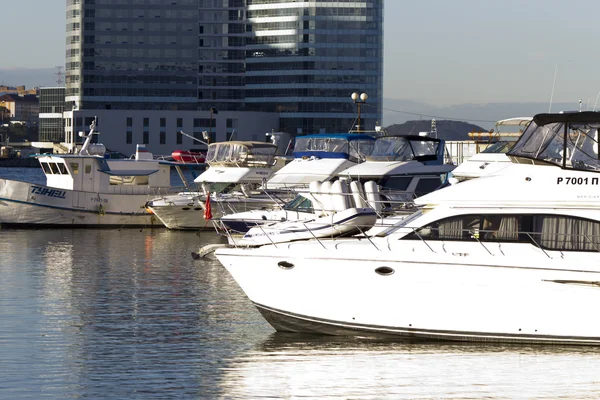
[{"x": 127, "y": 314}]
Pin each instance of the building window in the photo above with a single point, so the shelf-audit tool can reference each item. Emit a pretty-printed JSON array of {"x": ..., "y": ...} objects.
[
  {"x": 129, "y": 138},
  {"x": 179, "y": 138},
  {"x": 180, "y": 122},
  {"x": 146, "y": 138},
  {"x": 146, "y": 122},
  {"x": 129, "y": 121},
  {"x": 163, "y": 122},
  {"x": 163, "y": 138}
]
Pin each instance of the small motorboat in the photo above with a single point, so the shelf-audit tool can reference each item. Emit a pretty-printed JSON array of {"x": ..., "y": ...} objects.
[{"x": 334, "y": 214}]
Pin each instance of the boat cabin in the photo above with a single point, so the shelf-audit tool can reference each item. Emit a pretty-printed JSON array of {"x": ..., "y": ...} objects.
[
  {"x": 96, "y": 174},
  {"x": 568, "y": 140},
  {"x": 429, "y": 151},
  {"x": 241, "y": 154},
  {"x": 353, "y": 147},
  {"x": 237, "y": 161},
  {"x": 320, "y": 157},
  {"x": 404, "y": 167}
]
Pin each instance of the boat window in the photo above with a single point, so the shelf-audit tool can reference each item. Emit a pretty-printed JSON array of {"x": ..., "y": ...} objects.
[
  {"x": 548, "y": 143},
  {"x": 62, "y": 168},
  {"x": 427, "y": 185},
  {"x": 360, "y": 149},
  {"x": 128, "y": 180},
  {"x": 501, "y": 227},
  {"x": 391, "y": 182},
  {"x": 424, "y": 147},
  {"x": 462, "y": 227},
  {"x": 46, "y": 168},
  {"x": 74, "y": 167},
  {"x": 356, "y": 149},
  {"x": 391, "y": 149},
  {"x": 398, "y": 148},
  {"x": 299, "y": 203},
  {"x": 567, "y": 233},
  {"x": 88, "y": 169},
  {"x": 500, "y": 147},
  {"x": 495, "y": 228},
  {"x": 54, "y": 168}
]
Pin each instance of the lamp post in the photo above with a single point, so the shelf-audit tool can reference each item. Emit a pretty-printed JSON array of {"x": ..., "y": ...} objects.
[{"x": 359, "y": 100}]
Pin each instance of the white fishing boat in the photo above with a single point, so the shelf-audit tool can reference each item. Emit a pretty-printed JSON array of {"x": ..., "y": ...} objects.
[
  {"x": 512, "y": 257},
  {"x": 236, "y": 171},
  {"x": 88, "y": 190}
]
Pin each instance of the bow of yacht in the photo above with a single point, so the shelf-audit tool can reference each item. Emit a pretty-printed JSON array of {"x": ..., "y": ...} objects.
[{"x": 513, "y": 257}]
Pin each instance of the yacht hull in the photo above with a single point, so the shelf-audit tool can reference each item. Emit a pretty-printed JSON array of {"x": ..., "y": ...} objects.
[
  {"x": 350, "y": 288},
  {"x": 29, "y": 204}
]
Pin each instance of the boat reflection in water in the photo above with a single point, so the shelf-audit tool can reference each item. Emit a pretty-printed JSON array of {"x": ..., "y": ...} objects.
[
  {"x": 126, "y": 314},
  {"x": 291, "y": 365}
]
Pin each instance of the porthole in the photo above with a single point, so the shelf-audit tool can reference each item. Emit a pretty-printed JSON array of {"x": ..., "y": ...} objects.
[
  {"x": 285, "y": 265},
  {"x": 185, "y": 208},
  {"x": 385, "y": 271},
  {"x": 197, "y": 208}
]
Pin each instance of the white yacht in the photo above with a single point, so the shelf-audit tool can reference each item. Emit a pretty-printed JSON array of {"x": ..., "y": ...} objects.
[
  {"x": 493, "y": 158},
  {"x": 513, "y": 257},
  {"x": 320, "y": 157},
  {"x": 398, "y": 169},
  {"x": 236, "y": 170},
  {"x": 88, "y": 190}
]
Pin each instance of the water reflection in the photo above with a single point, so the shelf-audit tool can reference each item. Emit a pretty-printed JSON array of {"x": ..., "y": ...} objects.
[
  {"x": 129, "y": 314},
  {"x": 90, "y": 312},
  {"x": 315, "y": 366}
]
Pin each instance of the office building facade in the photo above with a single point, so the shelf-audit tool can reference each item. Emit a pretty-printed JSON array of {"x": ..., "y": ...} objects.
[
  {"x": 52, "y": 106},
  {"x": 298, "y": 60}
]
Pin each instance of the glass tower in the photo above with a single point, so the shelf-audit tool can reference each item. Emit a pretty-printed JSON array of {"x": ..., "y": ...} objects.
[
  {"x": 305, "y": 59},
  {"x": 139, "y": 54},
  {"x": 300, "y": 59}
]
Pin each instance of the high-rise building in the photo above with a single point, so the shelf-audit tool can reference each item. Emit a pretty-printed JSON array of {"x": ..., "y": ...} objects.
[
  {"x": 305, "y": 59},
  {"x": 299, "y": 61}
]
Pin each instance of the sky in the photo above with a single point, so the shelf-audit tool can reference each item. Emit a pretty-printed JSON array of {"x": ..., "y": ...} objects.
[{"x": 440, "y": 52}]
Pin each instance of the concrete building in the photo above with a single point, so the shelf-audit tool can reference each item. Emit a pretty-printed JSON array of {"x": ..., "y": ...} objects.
[
  {"x": 264, "y": 65},
  {"x": 22, "y": 109}
]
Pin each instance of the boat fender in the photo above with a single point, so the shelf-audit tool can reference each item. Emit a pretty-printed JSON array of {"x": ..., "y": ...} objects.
[{"x": 100, "y": 210}]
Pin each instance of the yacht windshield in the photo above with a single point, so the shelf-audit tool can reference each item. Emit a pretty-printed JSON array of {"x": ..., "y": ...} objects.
[
  {"x": 500, "y": 147},
  {"x": 241, "y": 154},
  {"x": 398, "y": 148},
  {"x": 333, "y": 147},
  {"x": 569, "y": 141},
  {"x": 299, "y": 203}
]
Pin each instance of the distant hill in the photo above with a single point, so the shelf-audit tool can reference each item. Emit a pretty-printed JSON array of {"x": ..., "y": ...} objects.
[
  {"x": 448, "y": 130},
  {"x": 398, "y": 111}
]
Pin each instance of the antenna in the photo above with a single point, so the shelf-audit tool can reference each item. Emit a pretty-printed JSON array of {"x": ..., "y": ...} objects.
[
  {"x": 59, "y": 75},
  {"x": 553, "y": 83},
  {"x": 596, "y": 103}
]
